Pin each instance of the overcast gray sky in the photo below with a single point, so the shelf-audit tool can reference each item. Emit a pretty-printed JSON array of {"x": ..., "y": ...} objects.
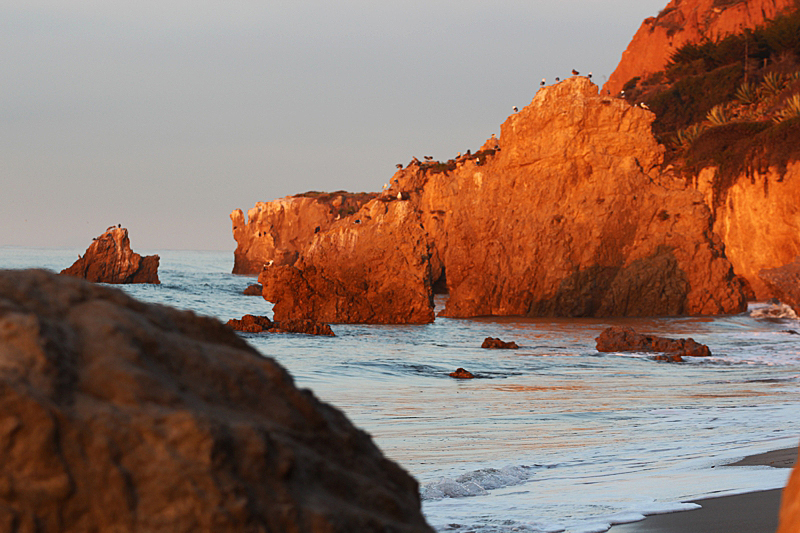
[{"x": 166, "y": 115}]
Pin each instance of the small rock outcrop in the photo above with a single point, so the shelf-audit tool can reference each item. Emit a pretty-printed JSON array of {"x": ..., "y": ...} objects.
[
  {"x": 784, "y": 283},
  {"x": 688, "y": 21},
  {"x": 277, "y": 231},
  {"x": 122, "y": 416},
  {"x": 460, "y": 373},
  {"x": 109, "y": 259},
  {"x": 625, "y": 339},
  {"x": 494, "y": 343},
  {"x": 372, "y": 267},
  {"x": 253, "y": 290},
  {"x": 262, "y": 324},
  {"x": 789, "y": 517}
]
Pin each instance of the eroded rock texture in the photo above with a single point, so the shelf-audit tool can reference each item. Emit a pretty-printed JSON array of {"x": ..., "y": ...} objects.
[
  {"x": 275, "y": 232},
  {"x": 371, "y": 267},
  {"x": 688, "y": 21},
  {"x": 109, "y": 259},
  {"x": 117, "y": 415},
  {"x": 262, "y": 324}
]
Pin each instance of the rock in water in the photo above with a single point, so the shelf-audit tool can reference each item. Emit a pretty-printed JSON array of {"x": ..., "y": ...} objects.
[
  {"x": 109, "y": 259},
  {"x": 495, "y": 343},
  {"x": 253, "y": 290},
  {"x": 372, "y": 267},
  {"x": 122, "y": 416},
  {"x": 260, "y": 324},
  {"x": 784, "y": 282},
  {"x": 625, "y": 339}
]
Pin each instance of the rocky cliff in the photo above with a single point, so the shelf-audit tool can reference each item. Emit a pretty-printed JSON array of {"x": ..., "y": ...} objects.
[
  {"x": 757, "y": 215},
  {"x": 688, "y": 21},
  {"x": 789, "y": 518},
  {"x": 276, "y": 231},
  {"x": 567, "y": 213},
  {"x": 109, "y": 259},
  {"x": 121, "y": 416}
]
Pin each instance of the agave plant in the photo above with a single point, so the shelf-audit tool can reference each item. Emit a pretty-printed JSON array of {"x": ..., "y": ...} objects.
[
  {"x": 747, "y": 94},
  {"x": 791, "y": 109},
  {"x": 773, "y": 84},
  {"x": 718, "y": 115},
  {"x": 688, "y": 135}
]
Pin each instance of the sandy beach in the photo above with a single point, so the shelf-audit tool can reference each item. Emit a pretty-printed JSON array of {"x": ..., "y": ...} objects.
[{"x": 755, "y": 512}]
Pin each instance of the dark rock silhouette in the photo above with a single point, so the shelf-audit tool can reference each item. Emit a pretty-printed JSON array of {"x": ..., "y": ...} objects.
[
  {"x": 625, "y": 339},
  {"x": 123, "y": 416},
  {"x": 109, "y": 259}
]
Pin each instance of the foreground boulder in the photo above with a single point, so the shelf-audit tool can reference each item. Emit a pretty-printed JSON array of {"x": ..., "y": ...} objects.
[
  {"x": 117, "y": 415},
  {"x": 784, "y": 282},
  {"x": 261, "y": 324},
  {"x": 625, "y": 339},
  {"x": 789, "y": 517},
  {"x": 109, "y": 259}
]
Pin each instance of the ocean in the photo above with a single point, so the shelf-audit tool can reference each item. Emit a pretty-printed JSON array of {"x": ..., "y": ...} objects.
[{"x": 551, "y": 437}]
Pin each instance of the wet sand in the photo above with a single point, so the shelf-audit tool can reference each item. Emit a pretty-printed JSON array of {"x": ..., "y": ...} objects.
[{"x": 755, "y": 512}]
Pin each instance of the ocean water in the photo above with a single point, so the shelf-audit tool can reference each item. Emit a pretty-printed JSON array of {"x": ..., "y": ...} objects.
[{"x": 551, "y": 437}]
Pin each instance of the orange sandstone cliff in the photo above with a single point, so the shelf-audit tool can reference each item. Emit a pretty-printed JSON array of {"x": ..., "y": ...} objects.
[
  {"x": 565, "y": 214},
  {"x": 688, "y": 21},
  {"x": 276, "y": 231}
]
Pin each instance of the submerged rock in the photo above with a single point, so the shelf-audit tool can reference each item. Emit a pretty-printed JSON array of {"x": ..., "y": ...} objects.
[
  {"x": 116, "y": 415},
  {"x": 261, "y": 324},
  {"x": 625, "y": 339},
  {"x": 109, "y": 259},
  {"x": 494, "y": 343}
]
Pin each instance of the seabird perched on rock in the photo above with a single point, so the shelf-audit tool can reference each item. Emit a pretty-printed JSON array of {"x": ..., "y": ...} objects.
[
  {"x": 644, "y": 106},
  {"x": 575, "y": 72},
  {"x": 558, "y": 79},
  {"x": 400, "y": 195},
  {"x": 399, "y": 165},
  {"x": 428, "y": 157},
  {"x": 515, "y": 109},
  {"x": 541, "y": 83},
  {"x": 414, "y": 160},
  {"x": 459, "y": 155},
  {"x": 385, "y": 186}
]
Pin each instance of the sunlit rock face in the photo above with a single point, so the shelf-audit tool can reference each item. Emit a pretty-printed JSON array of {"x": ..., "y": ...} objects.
[
  {"x": 123, "y": 416},
  {"x": 275, "y": 232},
  {"x": 572, "y": 216},
  {"x": 566, "y": 213},
  {"x": 757, "y": 216},
  {"x": 371, "y": 267},
  {"x": 687, "y": 21},
  {"x": 109, "y": 259},
  {"x": 784, "y": 283}
]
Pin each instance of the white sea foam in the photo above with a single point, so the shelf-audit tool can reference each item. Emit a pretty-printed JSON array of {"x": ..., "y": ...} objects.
[
  {"x": 476, "y": 483},
  {"x": 776, "y": 310}
]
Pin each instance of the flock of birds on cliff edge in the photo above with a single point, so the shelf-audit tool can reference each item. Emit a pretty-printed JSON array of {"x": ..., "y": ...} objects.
[{"x": 459, "y": 157}]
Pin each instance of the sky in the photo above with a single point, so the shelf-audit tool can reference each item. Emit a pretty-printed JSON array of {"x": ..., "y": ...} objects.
[{"x": 166, "y": 115}]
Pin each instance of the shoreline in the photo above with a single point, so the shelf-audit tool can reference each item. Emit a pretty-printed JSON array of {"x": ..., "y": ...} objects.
[{"x": 752, "y": 512}]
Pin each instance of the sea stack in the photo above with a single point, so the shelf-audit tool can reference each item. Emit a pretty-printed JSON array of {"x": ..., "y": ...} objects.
[{"x": 109, "y": 259}]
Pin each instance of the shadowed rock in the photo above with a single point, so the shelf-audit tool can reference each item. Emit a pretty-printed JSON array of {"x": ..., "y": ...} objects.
[
  {"x": 493, "y": 343},
  {"x": 121, "y": 416},
  {"x": 109, "y": 259},
  {"x": 625, "y": 339},
  {"x": 784, "y": 282},
  {"x": 261, "y": 324}
]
